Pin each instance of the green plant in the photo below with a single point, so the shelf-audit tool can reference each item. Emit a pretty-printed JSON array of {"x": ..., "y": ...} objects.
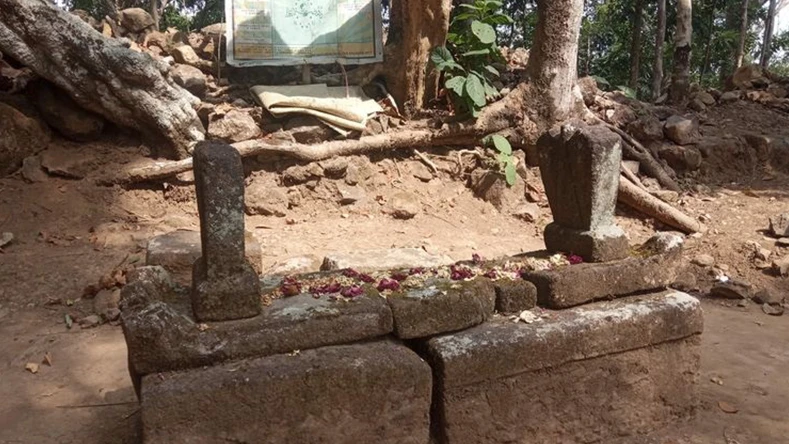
[
  {"x": 470, "y": 55},
  {"x": 504, "y": 157}
]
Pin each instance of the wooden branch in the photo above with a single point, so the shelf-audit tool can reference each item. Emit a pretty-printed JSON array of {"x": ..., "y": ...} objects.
[
  {"x": 427, "y": 161},
  {"x": 633, "y": 148},
  {"x": 642, "y": 201},
  {"x": 449, "y": 135},
  {"x": 631, "y": 176}
]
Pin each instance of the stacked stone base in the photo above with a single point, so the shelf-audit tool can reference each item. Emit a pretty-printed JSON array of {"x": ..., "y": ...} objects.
[
  {"x": 365, "y": 393},
  {"x": 609, "y": 353}
]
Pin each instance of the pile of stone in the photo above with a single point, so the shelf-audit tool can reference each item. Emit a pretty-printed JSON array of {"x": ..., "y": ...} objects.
[
  {"x": 456, "y": 358},
  {"x": 749, "y": 82}
]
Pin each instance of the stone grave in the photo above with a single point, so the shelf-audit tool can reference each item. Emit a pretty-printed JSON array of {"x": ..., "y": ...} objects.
[{"x": 581, "y": 343}]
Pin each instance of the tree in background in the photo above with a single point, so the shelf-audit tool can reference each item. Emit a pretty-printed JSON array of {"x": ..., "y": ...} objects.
[{"x": 660, "y": 37}]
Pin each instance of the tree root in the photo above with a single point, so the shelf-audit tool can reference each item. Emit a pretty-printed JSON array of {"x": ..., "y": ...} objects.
[
  {"x": 640, "y": 200},
  {"x": 634, "y": 149}
]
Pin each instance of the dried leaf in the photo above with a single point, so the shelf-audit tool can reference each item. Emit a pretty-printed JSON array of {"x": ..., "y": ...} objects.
[
  {"x": 32, "y": 367},
  {"x": 727, "y": 408},
  {"x": 47, "y": 359}
]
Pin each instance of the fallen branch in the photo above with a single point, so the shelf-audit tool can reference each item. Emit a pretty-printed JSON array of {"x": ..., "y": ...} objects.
[
  {"x": 449, "y": 135},
  {"x": 642, "y": 201},
  {"x": 427, "y": 161},
  {"x": 634, "y": 149},
  {"x": 631, "y": 176}
]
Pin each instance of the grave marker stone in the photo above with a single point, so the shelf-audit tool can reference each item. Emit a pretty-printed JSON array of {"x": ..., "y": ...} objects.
[
  {"x": 580, "y": 170},
  {"x": 224, "y": 284}
]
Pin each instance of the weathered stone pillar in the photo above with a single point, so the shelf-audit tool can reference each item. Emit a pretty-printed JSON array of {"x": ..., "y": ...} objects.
[
  {"x": 580, "y": 170},
  {"x": 224, "y": 284}
]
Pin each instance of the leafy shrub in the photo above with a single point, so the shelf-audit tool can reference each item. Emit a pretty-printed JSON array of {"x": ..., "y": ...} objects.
[{"x": 468, "y": 60}]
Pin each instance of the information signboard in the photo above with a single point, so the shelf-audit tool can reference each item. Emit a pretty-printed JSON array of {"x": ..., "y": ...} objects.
[{"x": 296, "y": 32}]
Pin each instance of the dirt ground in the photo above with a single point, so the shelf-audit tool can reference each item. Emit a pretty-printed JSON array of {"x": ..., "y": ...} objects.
[{"x": 70, "y": 232}]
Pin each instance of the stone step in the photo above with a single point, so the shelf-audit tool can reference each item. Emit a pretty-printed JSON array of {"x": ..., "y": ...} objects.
[
  {"x": 365, "y": 393},
  {"x": 585, "y": 374},
  {"x": 164, "y": 336}
]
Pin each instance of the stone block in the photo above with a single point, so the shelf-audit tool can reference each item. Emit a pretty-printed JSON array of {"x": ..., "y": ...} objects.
[
  {"x": 515, "y": 295},
  {"x": 586, "y": 374},
  {"x": 164, "y": 336},
  {"x": 366, "y": 393},
  {"x": 578, "y": 284},
  {"x": 177, "y": 252},
  {"x": 441, "y": 306},
  {"x": 371, "y": 260},
  {"x": 579, "y": 167},
  {"x": 601, "y": 245}
]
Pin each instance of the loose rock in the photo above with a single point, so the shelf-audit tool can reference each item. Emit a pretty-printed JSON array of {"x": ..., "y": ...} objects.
[
  {"x": 32, "y": 171},
  {"x": 731, "y": 290},
  {"x": 349, "y": 194},
  {"x": 779, "y": 225},
  {"x": 135, "y": 19},
  {"x": 781, "y": 266},
  {"x": 704, "y": 260},
  {"x": 235, "y": 126},
  {"x": 730, "y": 97},
  {"x": 646, "y": 128},
  {"x": 421, "y": 172},
  {"x": 190, "y": 78},
  {"x": 90, "y": 321},
  {"x": 266, "y": 199},
  {"x": 404, "y": 205},
  {"x": 298, "y": 174},
  {"x": 680, "y": 130},
  {"x": 528, "y": 212}
]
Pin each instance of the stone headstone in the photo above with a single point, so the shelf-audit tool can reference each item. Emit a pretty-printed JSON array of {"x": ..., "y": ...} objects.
[
  {"x": 580, "y": 170},
  {"x": 225, "y": 286}
]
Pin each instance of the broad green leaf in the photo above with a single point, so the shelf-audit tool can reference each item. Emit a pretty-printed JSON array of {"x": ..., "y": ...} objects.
[
  {"x": 510, "y": 174},
  {"x": 601, "y": 80},
  {"x": 492, "y": 70},
  {"x": 455, "y": 84},
  {"x": 466, "y": 5},
  {"x": 476, "y": 52},
  {"x": 627, "y": 91},
  {"x": 441, "y": 57},
  {"x": 484, "y": 32},
  {"x": 475, "y": 91},
  {"x": 501, "y": 144},
  {"x": 490, "y": 91},
  {"x": 503, "y": 159}
]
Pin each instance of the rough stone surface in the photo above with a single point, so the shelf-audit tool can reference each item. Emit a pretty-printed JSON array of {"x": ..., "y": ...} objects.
[
  {"x": 513, "y": 296},
  {"x": 441, "y": 307},
  {"x": 235, "y": 126},
  {"x": 730, "y": 97},
  {"x": 731, "y": 290},
  {"x": 294, "y": 265},
  {"x": 404, "y": 205},
  {"x": 371, "y": 260},
  {"x": 177, "y": 251},
  {"x": 64, "y": 115},
  {"x": 601, "y": 245},
  {"x": 225, "y": 286},
  {"x": 190, "y": 78},
  {"x": 349, "y": 194},
  {"x": 578, "y": 284},
  {"x": 545, "y": 382},
  {"x": 135, "y": 19},
  {"x": 266, "y": 198},
  {"x": 163, "y": 336},
  {"x": 589, "y": 89},
  {"x": 366, "y": 393},
  {"x": 105, "y": 301},
  {"x": 492, "y": 187},
  {"x": 680, "y": 130},
  {"x": 706, "y": 98},
  {"x": 681, "y": 158},
  {"x": 20, "y": 136},
  {"x": 703, "y": 260},
  {"x": 308, "y": 129},
  {"x": 779, "y": 225},
  {"x": 646, "y": 128},
  {"x": 298, "y": 174},
  {"x": 32, "y": 171},
  {"x": 580, "y": 171}
]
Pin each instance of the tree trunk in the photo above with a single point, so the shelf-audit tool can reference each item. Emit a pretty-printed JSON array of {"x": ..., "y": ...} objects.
[
  {"x": 740, "y": 54},
  {"x": 660, "y": 37},
  {"x": 711, "y": 30},
  {"x": 553, "y": 58},
  {"x": 680, "y": 79},
  {"x": 416, "y": 27},
  {"x": 101, "y": 75},
  {"x": 768, "y": 34},
  {"x": 155, "y": 13},
  {"x": 112, "y": 9},
  {"x": 635, "y": 44}
]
